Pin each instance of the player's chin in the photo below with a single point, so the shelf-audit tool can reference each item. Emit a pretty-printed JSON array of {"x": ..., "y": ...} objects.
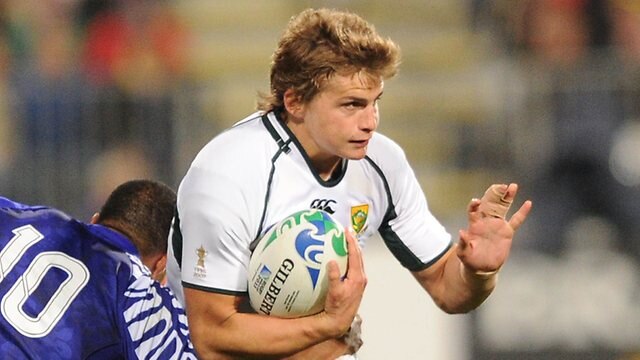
[
  {"x": 356, "y": 151},
  {"x": 355, "y": 154}
]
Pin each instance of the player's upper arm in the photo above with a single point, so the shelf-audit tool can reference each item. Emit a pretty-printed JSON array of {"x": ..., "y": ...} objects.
[
  {"x": 431, "y": 277},
  {"x": 220, "y": 205},
  {"x": 215, "y": 222},
  {"x": 412, "y": 233},
  {"x": 209, "y": 313}
]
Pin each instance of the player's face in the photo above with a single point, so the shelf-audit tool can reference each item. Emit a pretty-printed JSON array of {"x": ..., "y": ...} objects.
[{"x": 340, "y": 120}]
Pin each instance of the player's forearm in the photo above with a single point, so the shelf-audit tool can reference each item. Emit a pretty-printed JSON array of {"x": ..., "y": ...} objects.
[
  {"x": 453, "y": 287},
  {"x": 252, "y": 335},
  {"x": 466, "y": 289},
  {"x": 328, "y": 349}
]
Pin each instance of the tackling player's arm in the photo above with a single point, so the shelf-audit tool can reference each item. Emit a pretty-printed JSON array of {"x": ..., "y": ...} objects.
[
  {"x": 466, "y": 275},
  {"x": 220, "y": 328}
]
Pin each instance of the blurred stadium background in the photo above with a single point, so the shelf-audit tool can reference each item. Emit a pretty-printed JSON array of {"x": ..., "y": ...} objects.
[{"x": 541, "y": 92}]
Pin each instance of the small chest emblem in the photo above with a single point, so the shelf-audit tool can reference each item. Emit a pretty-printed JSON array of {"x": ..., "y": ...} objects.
[{"x": 359, "y": 217}]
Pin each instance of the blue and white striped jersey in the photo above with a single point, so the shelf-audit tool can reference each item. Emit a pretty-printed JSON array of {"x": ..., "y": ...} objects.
[{"x": 70, "y": 290}]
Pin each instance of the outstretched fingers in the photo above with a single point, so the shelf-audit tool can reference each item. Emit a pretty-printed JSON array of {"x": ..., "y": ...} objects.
[
  {"x": 521, "y": 215},
  {"x": 474, "y": 214},
  {"x": 497, "y": 200},
  {"x": 510, "y": 193},
  {"x": 473, "y": 209}
]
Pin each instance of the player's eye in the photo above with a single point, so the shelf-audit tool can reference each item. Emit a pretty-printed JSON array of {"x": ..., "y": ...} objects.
[
  {"x": 354, "y": 104},
  {"x": 349, "y": 105}
]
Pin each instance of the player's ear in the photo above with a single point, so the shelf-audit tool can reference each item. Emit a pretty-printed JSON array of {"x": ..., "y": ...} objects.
[
  {"x": 95, "y": 218},
  {"x": 159, "y": 270},
  {"x": 293, "y": 104}
]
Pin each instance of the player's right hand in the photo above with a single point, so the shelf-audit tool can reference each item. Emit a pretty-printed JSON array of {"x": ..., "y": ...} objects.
[{"x": 345, "y": 294}]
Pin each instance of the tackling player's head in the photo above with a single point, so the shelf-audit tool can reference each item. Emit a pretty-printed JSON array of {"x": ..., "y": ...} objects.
[
  {"x": 142, "y": 210},
  {"x": 318, "y": 44}
]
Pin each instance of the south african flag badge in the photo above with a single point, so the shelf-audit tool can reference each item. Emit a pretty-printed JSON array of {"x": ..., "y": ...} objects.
[{"x": 359, "y": 215}]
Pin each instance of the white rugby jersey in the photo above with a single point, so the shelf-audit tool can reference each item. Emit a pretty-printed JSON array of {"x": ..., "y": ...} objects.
[{"x": 257, "y": 173}]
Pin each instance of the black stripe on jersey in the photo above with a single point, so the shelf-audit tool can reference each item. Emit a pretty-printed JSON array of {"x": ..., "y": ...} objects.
[
  {"x": 176, "y": 239},
  {"x": 401, "y": 252},
  {"x": 254, "y": 243},
  {"x": 214, "y": 290},
  {"x": 335, "y": 178},
  {"x": 283, "y": 147}
]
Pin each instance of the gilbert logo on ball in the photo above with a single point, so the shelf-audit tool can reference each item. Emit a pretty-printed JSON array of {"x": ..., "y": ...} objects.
[{"x": 288, "y": 268}]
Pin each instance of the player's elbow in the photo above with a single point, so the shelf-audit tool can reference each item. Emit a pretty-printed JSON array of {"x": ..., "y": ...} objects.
[
  {"x": 206, "y": 348},
  {"x": 458, "y": 307},
  {"x": 453, "y": 310},
  {"x": 209, "y": 341}
]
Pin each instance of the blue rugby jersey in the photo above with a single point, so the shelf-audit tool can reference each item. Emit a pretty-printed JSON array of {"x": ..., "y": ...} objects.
[{"x": 70, "y": 290}]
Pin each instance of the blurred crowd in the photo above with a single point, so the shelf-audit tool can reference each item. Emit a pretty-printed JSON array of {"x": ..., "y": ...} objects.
[
  {"x": 573, "y": 114},
  {"x": 84, "y": 83},
  {"x": 87, "y": 101}
]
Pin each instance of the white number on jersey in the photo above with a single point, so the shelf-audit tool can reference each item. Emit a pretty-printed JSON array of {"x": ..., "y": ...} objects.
[{"x": 13, "y": 301}]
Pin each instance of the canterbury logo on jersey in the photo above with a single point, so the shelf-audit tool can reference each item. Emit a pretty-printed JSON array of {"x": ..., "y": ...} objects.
[{"x": 323, "y": 204}]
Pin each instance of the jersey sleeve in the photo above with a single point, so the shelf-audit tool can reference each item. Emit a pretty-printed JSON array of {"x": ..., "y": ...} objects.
[
  {"x": 409, "y": 229},
  {"x": 153, "y": 321},
  {"x": 220, "y": 200}
]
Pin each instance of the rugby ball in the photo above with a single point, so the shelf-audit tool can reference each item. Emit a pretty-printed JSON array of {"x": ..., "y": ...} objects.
[{"x": 288, "y": 268}]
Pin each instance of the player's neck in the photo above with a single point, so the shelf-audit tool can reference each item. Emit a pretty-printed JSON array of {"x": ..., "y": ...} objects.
[
  {"x": 325, "y": 164},
  {"x": 329, "y": 171}
]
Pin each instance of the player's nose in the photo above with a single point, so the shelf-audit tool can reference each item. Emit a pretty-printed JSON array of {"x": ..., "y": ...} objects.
[{"x": 369, "y": 119}]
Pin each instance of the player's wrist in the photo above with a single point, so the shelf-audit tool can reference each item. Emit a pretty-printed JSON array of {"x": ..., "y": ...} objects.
[
  {"x": 478, "y": 278},
  {"x": 329, "y": 327}
]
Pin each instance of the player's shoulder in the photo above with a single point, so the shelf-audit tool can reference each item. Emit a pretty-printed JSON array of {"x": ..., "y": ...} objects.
[
  {"x": 24, "y": 211},
  {"x": 245, "y": 141},
  {"x": 383, "y": 149},
  {"x": 9, "y": 204}
]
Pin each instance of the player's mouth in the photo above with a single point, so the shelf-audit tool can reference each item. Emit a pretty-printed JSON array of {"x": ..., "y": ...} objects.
[{"x": 360, "y": 143}]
